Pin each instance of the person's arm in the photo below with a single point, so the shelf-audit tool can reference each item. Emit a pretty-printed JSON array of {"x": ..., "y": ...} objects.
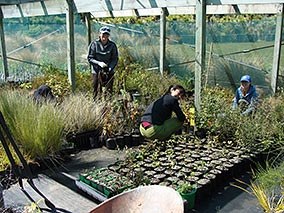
[
  {"x": 114, "y": 58},
  {"x": 92, "y": 53},
  {"x": 178, "y": 111}
]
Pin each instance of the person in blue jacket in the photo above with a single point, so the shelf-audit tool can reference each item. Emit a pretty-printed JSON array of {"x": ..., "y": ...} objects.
[
  {"x": 246, "y": 97},
  {"x": 157, "y": 121}
]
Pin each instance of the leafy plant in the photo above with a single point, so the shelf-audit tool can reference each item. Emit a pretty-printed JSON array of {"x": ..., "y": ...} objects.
[{"x": 185, "y": 188}]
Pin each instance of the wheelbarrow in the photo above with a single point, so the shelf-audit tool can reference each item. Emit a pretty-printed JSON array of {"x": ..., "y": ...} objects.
[{"x": 144, "y": 199}]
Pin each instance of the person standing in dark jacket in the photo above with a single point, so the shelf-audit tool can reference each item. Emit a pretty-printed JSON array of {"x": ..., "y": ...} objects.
[
  {"x": 103, "y": 56},
  {"x": 157, "y": 121}
]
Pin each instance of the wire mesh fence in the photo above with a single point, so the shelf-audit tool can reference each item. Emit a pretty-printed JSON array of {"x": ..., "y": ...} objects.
[{"x": 233, "y": 48}]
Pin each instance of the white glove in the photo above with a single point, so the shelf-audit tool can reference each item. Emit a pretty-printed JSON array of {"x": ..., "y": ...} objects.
[{"x": 102, "y": 64}]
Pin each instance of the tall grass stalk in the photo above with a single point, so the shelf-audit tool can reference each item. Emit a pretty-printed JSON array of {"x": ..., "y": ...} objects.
[
  {"x": 37, "y": 129},
  {"x": 81, "y": 113},
  {"x": 269, "y": 203}
]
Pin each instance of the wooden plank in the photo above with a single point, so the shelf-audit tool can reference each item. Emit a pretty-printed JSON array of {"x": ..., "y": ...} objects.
[
  {"x": 277, "y": 50},
  {"x": 3, "y": 48},
  {"x": 162, "y": 40},
  {"x": 61, "y": 196},
  {"x": 200, "y": 45},
  {"x": 70, "y": 44}
]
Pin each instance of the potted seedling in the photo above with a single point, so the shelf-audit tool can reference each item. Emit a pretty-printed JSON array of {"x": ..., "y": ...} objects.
[{"x": 187, "y": 192}]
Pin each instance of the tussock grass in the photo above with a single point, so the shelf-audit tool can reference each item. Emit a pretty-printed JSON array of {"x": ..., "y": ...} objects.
[
  {"x": 37, "y": 129},
  {"x": 81, "y": 113}
]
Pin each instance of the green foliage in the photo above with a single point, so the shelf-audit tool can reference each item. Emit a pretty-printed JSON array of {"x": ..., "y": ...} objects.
[
  {"x": 4, "y": 160},
  {"x": 55, "y": 78},
  {"x": 183, "y": 18},
  {"x": 132, "y": 76},
  {"x": 269, "y": 203},
  {"x": 81, "y": 113},
  {"x": 185, "y": 188},
  {"x": 216, "y": 102},
  {"x": 263, "y": 128},
  {"x": 268, "y": 187},
  {"x": 146, "y": 83},
  {"x": 37, "y": 129},
  {"x": 271, "y": 177}
]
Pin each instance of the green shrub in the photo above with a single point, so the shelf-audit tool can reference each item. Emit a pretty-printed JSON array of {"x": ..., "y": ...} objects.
[{"x": 264, "y": 127}]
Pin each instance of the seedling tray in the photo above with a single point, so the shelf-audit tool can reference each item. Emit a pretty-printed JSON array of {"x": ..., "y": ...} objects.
[{"x": 105, "y": 181}]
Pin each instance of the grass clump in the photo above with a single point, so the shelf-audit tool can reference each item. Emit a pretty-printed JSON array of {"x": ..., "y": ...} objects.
[
  {"x": 269, "y": 187},
  {"x": 37, "y": 129},
  {"x": 81, "y": 113}
]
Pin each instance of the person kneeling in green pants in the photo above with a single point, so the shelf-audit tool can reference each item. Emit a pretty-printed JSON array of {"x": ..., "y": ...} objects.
[{"x": 157, "y": 121}]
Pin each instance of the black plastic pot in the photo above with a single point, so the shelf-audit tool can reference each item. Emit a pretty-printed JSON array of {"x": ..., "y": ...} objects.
[
  {"x": 120, "y": 141},
  {"x": 111, "y": 143},
  {"x": 204, "y": 188},
  {"x": 85, "y": 140},
  {"x": 218, "y": 182},
  {"x": 102, "y": 140},
  {"x": 127, "y": 140},
  {"x": 136, "y": 140}
]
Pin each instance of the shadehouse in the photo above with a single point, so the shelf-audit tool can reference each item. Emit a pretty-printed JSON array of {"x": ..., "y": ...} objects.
[{"x": 200, "y": 8}]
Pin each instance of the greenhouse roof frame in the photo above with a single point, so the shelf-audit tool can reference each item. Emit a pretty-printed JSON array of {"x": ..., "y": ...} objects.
[
  {"x": 120, "y": 8},
  {"x": 162, "y": 8}
]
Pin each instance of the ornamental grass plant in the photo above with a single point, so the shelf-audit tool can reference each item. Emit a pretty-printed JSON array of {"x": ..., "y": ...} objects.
[
  {"x": 268, "y": 187},
  {"x": 80, "y": 113},
  {"x": 37, "y": 129}
]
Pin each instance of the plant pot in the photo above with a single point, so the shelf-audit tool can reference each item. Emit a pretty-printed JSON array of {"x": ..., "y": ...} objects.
[
  {"x": 111, "y": 143},
  {"x": 203, "y": 189},
  {"x": 161, "y": 177},
  {"x": 159, "y": 169},
  {"x": 190, "y": 199},
  {"x": 169, "y": 172},
  {"x": 127, "y": 140},
  {"x": 135, "y": 140},
  {"x": 120, "y": 141},
  {"x": 94, "y": 142},
  {"x": 218, "y": 177},
  {"x": 124, "y": 171},
  {"x": 186, "y": 170},
  {"x": 102, "y": 140},
  {"x": 82, "y": 140},
  {"x": 150, "y": 174},
  {"x": 155, "y": 181},
  {"x": 213, "y": 180},
  {"x": 192, "y": 179}
]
